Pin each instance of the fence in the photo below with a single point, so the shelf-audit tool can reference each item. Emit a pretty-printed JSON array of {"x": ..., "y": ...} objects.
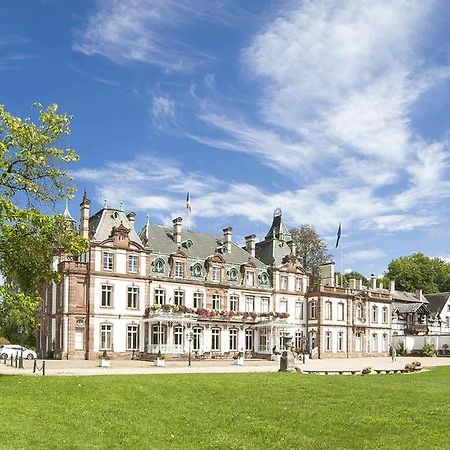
[{"x": 416, "y": 343}]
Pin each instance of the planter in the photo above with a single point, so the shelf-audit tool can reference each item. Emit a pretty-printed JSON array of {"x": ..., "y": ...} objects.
[
  {"x": 160, "y": 362},
  {"x": 277, "y": 359},
  {"x": 238, "y": 361},
  {"x": 104, "y": 362}
]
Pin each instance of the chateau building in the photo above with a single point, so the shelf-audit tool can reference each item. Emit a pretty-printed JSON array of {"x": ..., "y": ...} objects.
[{"x": 174, "y": 290}]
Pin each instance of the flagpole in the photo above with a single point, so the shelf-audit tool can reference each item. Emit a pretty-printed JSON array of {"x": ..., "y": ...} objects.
[{"x": 342, "y": 269}]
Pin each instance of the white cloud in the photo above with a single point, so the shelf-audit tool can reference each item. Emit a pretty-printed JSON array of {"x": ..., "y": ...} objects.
[{"x": 364, "y": 255}]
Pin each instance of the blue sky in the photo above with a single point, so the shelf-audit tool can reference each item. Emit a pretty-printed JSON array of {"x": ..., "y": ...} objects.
[{"x": 332, "y": 110}]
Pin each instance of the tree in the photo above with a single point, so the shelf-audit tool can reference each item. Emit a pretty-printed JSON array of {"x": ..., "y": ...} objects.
[
  {"x": 311, "y": 249},
  {"x": 418, "y": 271},
  {"x": 32, "y": 176},
  {"x": 353, "y": 274}
]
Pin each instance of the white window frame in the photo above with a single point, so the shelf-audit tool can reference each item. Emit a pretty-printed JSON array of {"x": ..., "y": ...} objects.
[
  {"x": 216, "y": 274},
  {"x": 133, "y": 263},
  {"x": 340, "y": 311},
  {"x": 179, "y": 269},
  {"x": 313, "y": 310},
  {"x": 215, "y": 299},
  {"x": 265, "y": 304},
  {"x": 133, "y": 297},
  {"x": 106, "y": 336},
  {"x": 234, "y": 302},
  {"x": 340, "y": 341},
  {"x": 249, "y": 340},
  {"x": 106, "y": 294},
  {"x": 249, "y": 303},
  {"x": 178, "y": 297},
  {"x": 299, "y": 310},
  {"x": 283, "y": 282},
  {"x": 132, "y": 336},
  {"x": 233, "y": 339},
  {"x": 328, "y": 310},
  {"x": 284, "y": 305},
  {"x": 159, "y": 296},
  {"x": 197, "y": 300},
  {"x": 385, "y": 314},
  {"x": 249, "y": 278},
  {"x": 374, "y": 313},
  {"x": 327, "y": 341},
  {"x": 215, "y": 339},
  {"x": 178, "y": 335},
  {"x": 108, "y": 261}
]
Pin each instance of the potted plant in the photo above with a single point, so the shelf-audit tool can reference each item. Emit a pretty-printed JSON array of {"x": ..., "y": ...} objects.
[
  {"x": 160, "y": 360},
  {"x": 238, "y": 359},
  {"x": 104, "y": 360}
]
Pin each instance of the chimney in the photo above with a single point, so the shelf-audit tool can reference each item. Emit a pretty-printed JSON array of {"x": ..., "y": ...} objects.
[
  {"x": 131, "y": 216},
  {"x": 373, "y": 281},
  {"x": 227, "y": 238},
  {"x": 419, "y": 294},
  {"x": 352, "y": 283},
  {"x": 84, "y": 216},
  {"x": 177, "y": 230},
  {"x": 250, "y": 242},
  {"x": 359, "y": 285},
  {"x": 391, "y": 286},
  {"x": 326, "y": 272},
  {"x": 293, "y": 247}
]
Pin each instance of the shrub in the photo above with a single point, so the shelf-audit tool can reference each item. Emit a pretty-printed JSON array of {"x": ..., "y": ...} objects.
[
  {"x": 104, "y": 355},
  {"x": 401, "y": 349},
  {"x": 413, "y": 367},
  {"x": 429, "y": 350},
  {"x": 366, "y": 371},
  {"x": 160, "y": 355},
  {"x": 4, "y": 341}
]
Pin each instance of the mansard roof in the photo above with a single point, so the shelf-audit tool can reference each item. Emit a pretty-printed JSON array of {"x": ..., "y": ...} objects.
[
  {"x": 202, "y": 245},
  {"x": 102, "y": 223}
]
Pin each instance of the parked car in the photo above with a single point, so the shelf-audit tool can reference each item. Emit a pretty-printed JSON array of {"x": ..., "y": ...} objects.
[{"x": 12, "y": 350}]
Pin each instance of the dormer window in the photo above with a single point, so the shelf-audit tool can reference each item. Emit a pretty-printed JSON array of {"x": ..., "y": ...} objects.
[
  {"x": 196, "y": 270},
  {"x": 215, "y": 275},
  {"x": 298, "y": 284},
  {"x": 233, "y": 275},
  {"x": 158, "y": 266},
  {"x": 249, "y": 278},
  {"x": 179, "y": 269}
]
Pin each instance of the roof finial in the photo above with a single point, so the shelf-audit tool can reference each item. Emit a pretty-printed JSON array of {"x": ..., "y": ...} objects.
[
  {"x": 84, "y": 195},
  {"x": 121, "y": 205},
  {"x": 105, "y": 203},
  {"x": 67, "y": 214},
  {"x": 277, "y": 212}
]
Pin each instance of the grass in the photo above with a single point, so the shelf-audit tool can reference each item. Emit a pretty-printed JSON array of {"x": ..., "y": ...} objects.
[{"x": 226, "y": 411}]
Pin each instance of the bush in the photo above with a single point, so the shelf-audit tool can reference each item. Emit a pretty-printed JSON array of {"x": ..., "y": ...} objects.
[
  {"x": 160, "y": 355},
  {"x": 429, "y": 350},
  {"x": 401, "y": 349},
  {"x": 104, "y": 355},
  {"x": 4, "y": 341},
  {"x": 366, "y": 371},
  {"x": 413, "y": 367}
]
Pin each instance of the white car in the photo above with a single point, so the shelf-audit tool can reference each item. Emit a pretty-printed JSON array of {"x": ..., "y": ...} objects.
[{"x": 6, "y": 351}]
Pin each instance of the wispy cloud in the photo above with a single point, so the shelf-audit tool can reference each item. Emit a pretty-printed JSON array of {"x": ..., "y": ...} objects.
[{"x": 145, "y": 31}]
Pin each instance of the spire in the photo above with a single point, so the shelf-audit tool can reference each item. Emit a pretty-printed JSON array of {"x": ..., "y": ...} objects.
[
  {"x": 105, "y": 203},
  {"x": 67, "y": 214},
  {"x": 278, "y": 230}
]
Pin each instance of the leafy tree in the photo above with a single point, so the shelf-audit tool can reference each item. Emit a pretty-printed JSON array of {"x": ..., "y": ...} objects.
[
  {"x": 353, "y": 274},
  {"x": 418, "y": 271},
  {"x": 32, "y": 175},
  {"x": 311, "y": 249}
]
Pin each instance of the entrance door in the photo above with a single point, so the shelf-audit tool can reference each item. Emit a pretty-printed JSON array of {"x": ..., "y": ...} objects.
[{"x": 79, "y": 338}]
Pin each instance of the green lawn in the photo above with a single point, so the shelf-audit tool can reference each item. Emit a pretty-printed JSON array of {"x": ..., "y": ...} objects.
[{"x": 226, "y": 411}]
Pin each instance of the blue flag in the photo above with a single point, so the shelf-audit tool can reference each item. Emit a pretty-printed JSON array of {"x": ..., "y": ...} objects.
[{"x": 338, "y": 236}]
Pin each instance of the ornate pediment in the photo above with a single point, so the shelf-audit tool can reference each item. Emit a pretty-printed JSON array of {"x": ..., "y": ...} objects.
[{"x": 216, "y": 259}]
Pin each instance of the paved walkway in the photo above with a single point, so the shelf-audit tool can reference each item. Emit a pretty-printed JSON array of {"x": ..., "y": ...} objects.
[{"x": 80, "y": 367}]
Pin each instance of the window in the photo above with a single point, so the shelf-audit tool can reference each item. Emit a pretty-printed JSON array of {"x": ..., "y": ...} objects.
[
  {"x": 159, "y": 266},
  {"x": 299, "y": 310},
  {"x": 159, "y": 334},
  {"x": 133, "y": 263},
  {"x": 215, "y": 274},
  {"x": 197, "y": 270},
  {"x": 374, "y": 342},
  {"x": 197, "y": 338},
  {"x": 328, "y": 341},
  {"x": 234, "y": 303},
  {"x": 283, "y": 305},
  {"x": 107, "y": 295},
  {"x": 263, "y": 340},
  {"x": 198, "y": 300},
  {"x": 340, "y": 341},
  {"x": 328, "y": 311},
  {"x": 216, "y": 301},
  {"x": 215, "y": 339},
  {"x": 299, "y": 284},
  {"x": 133, "y": 297},
  {"x": 105, "y": 336},
  {"x": 233, "y": 339},
  {"x": 179, "y": 269},
  {"x": 178, "y": 335},
  {"x": 358, "y": 311},
  {"x": 160, "y": 297},
  {"x": 249, "y": 338},
  {"x": 385, "y": 342},
  {"x": 340, "y": 311},
  {"x": 178, "y": 298},
  {"x": 233, "y": 275},
  {"x": 264, "y": 279},
  {"x": 385, "y": 314},
  {"x": 283, "y": 282},
  {"x": 313, "y": 310},
  {"x": 265, "y": 304},
  {"x": 249, "y": 278},
  {"x": 108, "y": 261},
  {"x": 375, "y": 313},
  {"x": 298, "y": 339},
  {"x": 132, "y": 337},
  {"x": 249, "y": 303}
]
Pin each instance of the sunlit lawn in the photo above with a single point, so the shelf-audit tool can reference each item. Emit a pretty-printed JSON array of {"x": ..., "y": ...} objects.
[{"x": 226, "y": 411}]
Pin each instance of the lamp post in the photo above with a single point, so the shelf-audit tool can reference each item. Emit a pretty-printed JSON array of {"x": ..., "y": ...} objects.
[
  {"x": 189, "y": 337},
  {"x": 20, "y": 330}
]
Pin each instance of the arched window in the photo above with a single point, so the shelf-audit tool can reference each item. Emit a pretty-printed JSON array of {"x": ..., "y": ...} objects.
[
  {"x": 264, "y": 279},
  {"x": 233, "y": 274},
  {"x": 328, "y": 311},
  {"x": 158, "y": 265},
  {"x": 196, "y": 270},
  {"x": 340, "y": 311}
]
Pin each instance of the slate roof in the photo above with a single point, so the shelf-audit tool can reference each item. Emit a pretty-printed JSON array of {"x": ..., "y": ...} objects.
[
  {"x": 403, "y": 296},
  {"x": 437, "y": 301},
  {"x": 403, "y": 308},
  {"x": 102, "y": 223},
  {"x": 160, "y": 240}
]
